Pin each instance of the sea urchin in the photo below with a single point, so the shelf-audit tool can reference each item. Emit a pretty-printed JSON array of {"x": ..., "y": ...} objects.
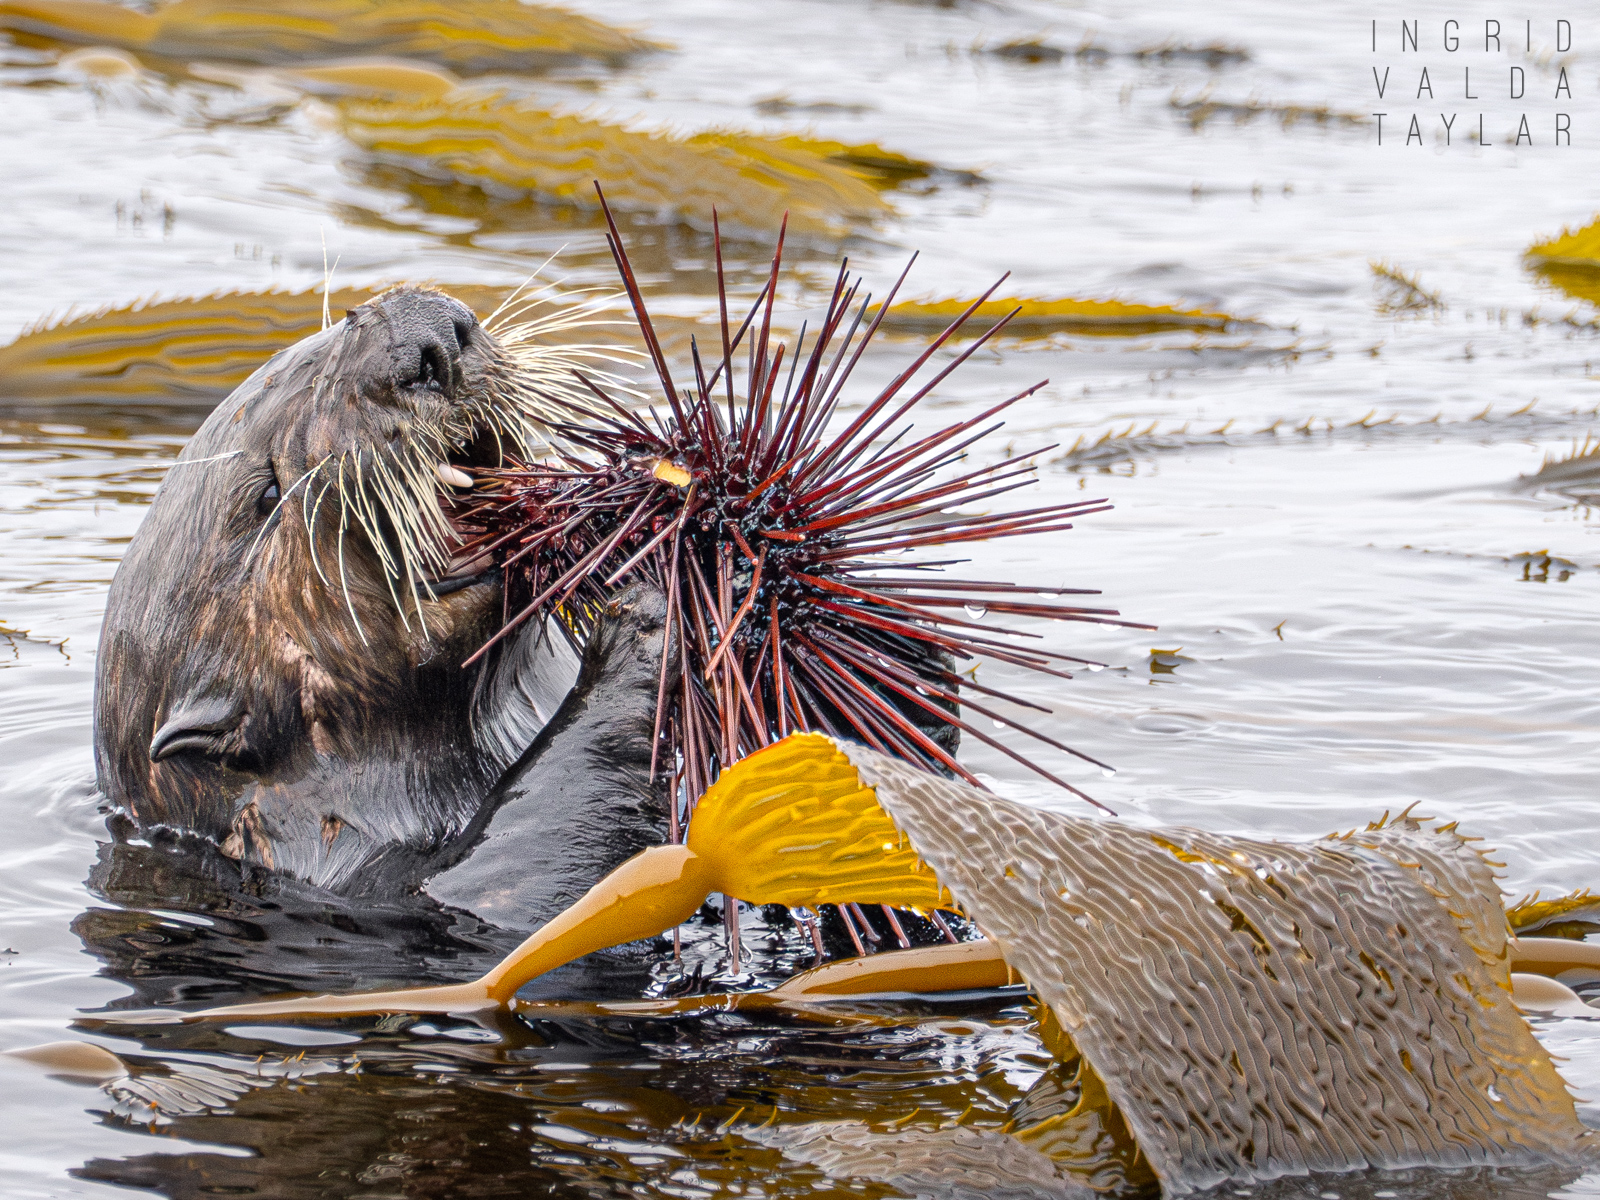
[{"x": 769, "y": 521}]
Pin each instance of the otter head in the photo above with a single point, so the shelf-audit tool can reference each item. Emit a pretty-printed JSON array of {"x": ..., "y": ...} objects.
[{"x": 281, "y": 660}]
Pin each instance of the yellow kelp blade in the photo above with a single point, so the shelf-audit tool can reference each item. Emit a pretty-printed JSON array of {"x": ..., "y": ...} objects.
[
  {"x": 1091, "y": 1140},
  {"x": 1571, "y": 261},
  {"x": 1579, "y": 282},
  {"x": 375, "y": 76},
  {"x": 957, "y": 967},
  {"x": 794, "y": 824},
  {"x": 1252, "y": 1009},
  {"x": 176, "y": 350},
  {"x": 1575, "y": 915},
  {"x": 498, "y": 143},
  {"x": 1038, "y": 318},
  {"x": 790, "y": 824},
  {"x": 923, "y": 970},
  {"x": 1574, "y": 247},
  {"x": 867, "y": 161},
  {"x": 464, "y": 35}
]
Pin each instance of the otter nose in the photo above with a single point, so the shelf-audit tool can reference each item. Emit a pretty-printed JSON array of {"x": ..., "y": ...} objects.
[{"x": 428, "y": 332}]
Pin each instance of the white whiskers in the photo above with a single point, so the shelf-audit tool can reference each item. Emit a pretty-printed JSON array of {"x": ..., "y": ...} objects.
[{"x": 391, "y": 493}]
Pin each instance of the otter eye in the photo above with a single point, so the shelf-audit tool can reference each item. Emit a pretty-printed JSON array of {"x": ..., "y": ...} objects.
[{"x": 268, "y": 500}]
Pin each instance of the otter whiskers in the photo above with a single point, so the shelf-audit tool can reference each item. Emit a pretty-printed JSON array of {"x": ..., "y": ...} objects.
[{"x": 391, "y": 493}]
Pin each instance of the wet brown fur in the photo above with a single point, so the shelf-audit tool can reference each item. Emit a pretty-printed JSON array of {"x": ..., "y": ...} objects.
[{"x": 322, "y": 716}]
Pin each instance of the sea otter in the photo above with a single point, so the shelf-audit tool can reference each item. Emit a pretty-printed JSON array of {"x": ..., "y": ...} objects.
[
  {"x": 280, "y": 675},
  {"x": 1236, "y": 1010}
]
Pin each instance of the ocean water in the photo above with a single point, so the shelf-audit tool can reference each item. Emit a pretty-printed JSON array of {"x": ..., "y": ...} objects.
[{"x": 1365, "y": 601}]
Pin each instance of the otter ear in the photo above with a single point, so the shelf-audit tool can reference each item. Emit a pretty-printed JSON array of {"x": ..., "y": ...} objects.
[{"x": 205, "y": 726}]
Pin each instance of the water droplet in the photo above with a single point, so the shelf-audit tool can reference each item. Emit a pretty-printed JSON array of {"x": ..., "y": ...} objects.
[
  {"x": 1097, "y": 667},
  {"x": 976, "y": 611},
  {"x": 1108, "y": 772},
  {"x": 998, "y": 724}
]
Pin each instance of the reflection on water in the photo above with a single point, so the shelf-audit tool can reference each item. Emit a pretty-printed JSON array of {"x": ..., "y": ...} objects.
[
  {"x": 1364, "y": 527},
  {"x": 582, "y": 1106}
]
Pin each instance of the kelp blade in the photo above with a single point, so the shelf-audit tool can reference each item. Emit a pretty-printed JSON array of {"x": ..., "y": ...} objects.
[
  {"x": 1576, "y": 915},
  {"x": 1248, "y": 1009},
  {"x": 1252, "y": 1009},
  {"x": 503, "y": 144},
  {"x": 1259, "y": 1008},
  {"x": 867, "y": 161},
  {"x": 1571, "y": 261},
  {"x": 175, "y": 350},
  {"x": 794, "y": 824},
  {"x": 1037, "y": 318},
  {"x": 465, "y": 35},
  {"x": 1574, "y": 247}
]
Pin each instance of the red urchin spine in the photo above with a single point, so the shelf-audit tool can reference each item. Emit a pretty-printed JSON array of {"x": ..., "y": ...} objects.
[{"x": 766, "y": 540}]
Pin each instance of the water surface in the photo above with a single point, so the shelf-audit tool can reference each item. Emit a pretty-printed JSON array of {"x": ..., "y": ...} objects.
[{"x": 1362, "y": 604}]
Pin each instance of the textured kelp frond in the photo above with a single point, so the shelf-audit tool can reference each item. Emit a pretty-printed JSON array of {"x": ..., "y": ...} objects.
[
  {"x": 464, "y": 35},
  {"x": 1572, "y": 247},
  {"x": 775, "y": 534},
  {"x": 1244, "y": 1010},
  {"x": 868, "y": 160},
  {"x": 1037, "y": 317},
  {"x": 500, "y": 142},
  {"x": 384, "y": 78},
  {"x": 1254, "y": 1008},
  {"x": 1571, "y": 261},
  {"x": 191, "y": 347},
  {"x": 1581, "y": 282},
  {"x": 203, "y": 347}
]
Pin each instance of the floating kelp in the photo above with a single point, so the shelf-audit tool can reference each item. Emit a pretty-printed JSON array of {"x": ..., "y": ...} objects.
[
  {"x": 502, "y": 143},
  {"x": 781, "y": 106},
  {"x": 468, "y": 35},
  {"x": 179, "y": 350},
  {"x": 950, "y": 1162},
  {"x": 1212, "y": 54},
  {"x": 1581, "y": 283},
  {"x": 868, "y": 161},
  {"x": 1403, "y": 294},
  {"x": 100, "y": 63},
  {"x": 1139, "y": 438},
  {"x": 1201, "y": 110},
  {"x": 1028, "y": 50},
  {"x": 1575, "y": 475},
  {"x": 1036, "y": 50},
  {"x": 1236, "y": 1009},
  {"x": 419, "y": 116},
  {"x": 1574, "y": 248},
  {"x": 1571, "y": 261},
  {"x": 1038, "y": 318},
  {"x": 379, "y": 78},
  {"x": 1575, "y": 915}
]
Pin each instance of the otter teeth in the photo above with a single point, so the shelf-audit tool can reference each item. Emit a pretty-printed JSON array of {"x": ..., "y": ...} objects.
[{"x": 452, "y": 476}]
